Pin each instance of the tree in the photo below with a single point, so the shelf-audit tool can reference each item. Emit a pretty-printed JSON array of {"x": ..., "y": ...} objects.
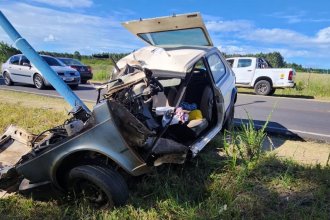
[
  {"x": 77, "y": 55},
  {"x": 7, "y": 51}
]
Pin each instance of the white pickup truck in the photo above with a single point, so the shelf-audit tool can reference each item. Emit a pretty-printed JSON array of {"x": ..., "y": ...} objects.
[{"x": 257, "y": 73}]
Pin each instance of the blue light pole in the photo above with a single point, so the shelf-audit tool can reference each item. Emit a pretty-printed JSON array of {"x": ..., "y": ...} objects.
[{"x": 61, "y": 87}]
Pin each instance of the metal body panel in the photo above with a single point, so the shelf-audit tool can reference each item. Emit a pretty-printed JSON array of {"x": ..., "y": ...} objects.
[{"x": 103, "y": 137}]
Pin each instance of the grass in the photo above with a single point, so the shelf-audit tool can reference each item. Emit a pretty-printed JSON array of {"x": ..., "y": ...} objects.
[
  {"x": 312, "y": 86},
  {"x": 102, "y": 68},
  {"x": 206, "y": 187}
]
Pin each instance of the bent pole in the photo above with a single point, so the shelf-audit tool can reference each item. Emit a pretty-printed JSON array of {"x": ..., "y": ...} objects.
[{"x": 51, "y": 76}]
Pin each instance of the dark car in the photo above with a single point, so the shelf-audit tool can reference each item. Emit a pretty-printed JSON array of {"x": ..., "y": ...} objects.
[{"x": 85, "y": 71}]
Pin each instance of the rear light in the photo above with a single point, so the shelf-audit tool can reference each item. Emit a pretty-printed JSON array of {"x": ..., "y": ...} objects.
[
  {"x": 74, "y": 67},
  {"x": 89, "y": 69},
  {"x": 290, "y": 75}
]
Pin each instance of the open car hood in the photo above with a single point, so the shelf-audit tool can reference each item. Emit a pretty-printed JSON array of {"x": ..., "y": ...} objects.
[{"x": 183, "y": 29}]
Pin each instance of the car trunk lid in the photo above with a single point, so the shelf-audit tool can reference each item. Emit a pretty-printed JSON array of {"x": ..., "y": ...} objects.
[{"x": 184, "y": 29}]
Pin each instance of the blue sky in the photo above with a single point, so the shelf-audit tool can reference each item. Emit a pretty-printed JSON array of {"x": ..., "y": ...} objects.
[{"x": 300, "y": 30}]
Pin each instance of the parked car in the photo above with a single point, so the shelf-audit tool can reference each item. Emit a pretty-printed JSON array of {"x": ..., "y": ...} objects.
[
  {"x": 257, "y": 73},
  {"x": 85, "y": 71},
  {"x": 18, "y": 69},
  {"x": 166, "y": 102}
]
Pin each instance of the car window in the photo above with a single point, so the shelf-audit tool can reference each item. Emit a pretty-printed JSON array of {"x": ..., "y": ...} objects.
[
  {"x": 24, "y": 60},
  {"x": 231, "y": 62},
  {"x": 14, "y": 60},
  {"x": 52, "y": 61},
  {"x": 70, "y": 62},
  {"x": 217, "y": 67},
  {"x": 244, "y": 63}
]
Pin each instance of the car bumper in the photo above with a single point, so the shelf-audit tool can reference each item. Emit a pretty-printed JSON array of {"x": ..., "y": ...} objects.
[
  {"x": 86, "y": 75},
  {"x": 286, "y": 85},
  {"x": 67, "y": 80}
]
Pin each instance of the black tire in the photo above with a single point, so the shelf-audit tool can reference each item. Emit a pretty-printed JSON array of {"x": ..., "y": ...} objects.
[
  {"x": 39, "y": 81},
  {"x": 229, "y": 124},
  {"x": 263, "y": 87},
  {"x": 7, "y": 79},
  {"x": 83, "y": 81},
  {"x": 101, "y": 187},
  {"x": 272, "y": 91},
  {"x": 75, "y": 86}
]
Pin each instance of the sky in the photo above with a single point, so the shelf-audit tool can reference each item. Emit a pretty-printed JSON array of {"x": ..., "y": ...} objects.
[{"x": 299, "y": 30}]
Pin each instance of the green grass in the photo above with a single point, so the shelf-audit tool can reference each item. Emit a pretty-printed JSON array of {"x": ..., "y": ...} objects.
[
  {"x": 313, "y": 86},
  {"x": 206, "y": 187},
  {"x": 102, "y": 68}
]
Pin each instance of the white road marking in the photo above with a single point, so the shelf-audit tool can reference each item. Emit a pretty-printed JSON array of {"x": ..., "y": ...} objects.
[
  {"x": 280, "y": 97},
  {"x": 291, "y": 130}
]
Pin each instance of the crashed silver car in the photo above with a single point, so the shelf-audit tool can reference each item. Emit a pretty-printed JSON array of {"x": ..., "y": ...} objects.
[{"x": 165, "y": 102}]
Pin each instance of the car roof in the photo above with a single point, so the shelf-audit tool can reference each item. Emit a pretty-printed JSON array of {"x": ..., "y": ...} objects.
[{"x": 177, "y": 59}]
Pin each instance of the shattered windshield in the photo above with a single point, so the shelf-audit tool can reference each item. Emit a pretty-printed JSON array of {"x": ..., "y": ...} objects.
[{"x": 193, "y": 36}]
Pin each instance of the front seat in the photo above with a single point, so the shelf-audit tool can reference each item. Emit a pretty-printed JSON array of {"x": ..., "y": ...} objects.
[{"x": 206, "y": 103}]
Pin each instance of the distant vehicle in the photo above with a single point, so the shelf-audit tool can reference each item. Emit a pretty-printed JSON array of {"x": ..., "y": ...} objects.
[
  {"x": 257, "y": 73},
  {"x": 18, "y": 69},
  {"x": 85, "y": 71}
]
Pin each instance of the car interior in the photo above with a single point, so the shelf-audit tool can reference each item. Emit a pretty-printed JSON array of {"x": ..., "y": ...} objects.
[{"x": 148, "y": 133}]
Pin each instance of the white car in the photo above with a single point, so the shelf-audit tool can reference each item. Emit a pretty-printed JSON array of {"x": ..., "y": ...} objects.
[
  {"x": 257, "y": 73},
  {"x": 182, "y": 57},
  {"x": 18, "y": 69}
]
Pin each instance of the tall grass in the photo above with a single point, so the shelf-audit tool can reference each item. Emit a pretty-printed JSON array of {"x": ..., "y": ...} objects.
[
  {"x": 102, "y": 68},
  {"x": 315, "y": 86},
  {"x": 309, "y": 84}
]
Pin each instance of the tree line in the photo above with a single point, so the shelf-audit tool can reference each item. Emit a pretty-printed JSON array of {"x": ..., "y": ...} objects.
[{"x": 274, "y": 58}]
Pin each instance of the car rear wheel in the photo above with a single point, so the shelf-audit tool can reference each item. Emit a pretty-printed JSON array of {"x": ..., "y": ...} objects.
[
  {"x": 75, "y": 86},
  {"x": 100, "y": 186},
  {"x": 7, "y": 79},
  {"x": 272, "y": 91},
  {"x": 263, "y": 87},
  {"x": 38, "y": 81}
]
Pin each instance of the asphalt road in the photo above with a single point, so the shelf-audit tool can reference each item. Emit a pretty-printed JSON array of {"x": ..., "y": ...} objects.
[{"x": 291, "y": 116}]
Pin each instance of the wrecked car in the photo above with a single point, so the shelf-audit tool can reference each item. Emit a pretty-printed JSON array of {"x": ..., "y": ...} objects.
[{"x": 165, "y": 102}]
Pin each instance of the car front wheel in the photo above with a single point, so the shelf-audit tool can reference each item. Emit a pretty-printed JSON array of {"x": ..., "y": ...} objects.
[
  {"x": 100, "y": 186},
  {"x": 7, "y": 79},
  {"x": 39, "y": 82}
]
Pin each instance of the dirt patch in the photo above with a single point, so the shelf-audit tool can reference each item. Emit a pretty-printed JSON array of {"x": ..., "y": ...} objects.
[{"x": 307, "y": 152}]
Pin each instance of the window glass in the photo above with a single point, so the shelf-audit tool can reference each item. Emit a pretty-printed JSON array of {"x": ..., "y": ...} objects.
[
  {"x": 70, "y": 62},
  {"x": 52, "y": 61},
  {"x": 244, "y": 63},
  {"x": 217, "y": 67},
  {"x": 24, "y": 60},
  {"x": 14, "y": 60},
  {"x": 193, "y": 36},
  {"x": 230, "y": 62}
]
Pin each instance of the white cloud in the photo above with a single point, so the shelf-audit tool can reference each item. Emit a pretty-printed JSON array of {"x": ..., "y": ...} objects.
[
  {"x": 323, "y": 36},
  {"x": 54, "y": 30},
  {"x": 67, "y": 3},
  {"x": 228, "y": 26},
  {"x": 50, "y": 38}
]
